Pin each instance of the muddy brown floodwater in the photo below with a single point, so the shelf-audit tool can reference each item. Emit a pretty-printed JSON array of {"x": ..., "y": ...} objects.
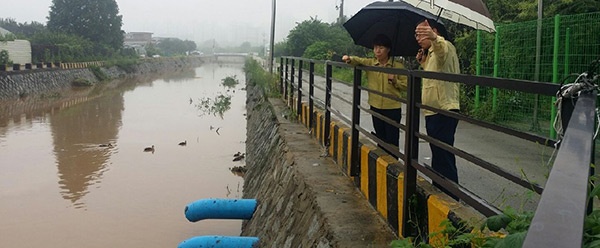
[{"x": 62, "y": 185}]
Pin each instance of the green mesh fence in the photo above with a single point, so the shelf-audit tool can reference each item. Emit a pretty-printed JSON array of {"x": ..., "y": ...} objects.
[{"x": 568, "y": 45}]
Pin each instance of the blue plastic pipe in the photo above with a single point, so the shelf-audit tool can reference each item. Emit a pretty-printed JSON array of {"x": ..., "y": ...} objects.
[
  {"x": 219, "y": 242},
  {"x": 214, "y": 208}
]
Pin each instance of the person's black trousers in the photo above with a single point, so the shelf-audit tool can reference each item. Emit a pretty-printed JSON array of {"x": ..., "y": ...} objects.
[
  {"x": 443, "y": 128},
  {"x": 384, "y": 131}
]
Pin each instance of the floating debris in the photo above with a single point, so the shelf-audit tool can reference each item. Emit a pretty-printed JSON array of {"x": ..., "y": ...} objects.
[{"x": 238, "y": 171}]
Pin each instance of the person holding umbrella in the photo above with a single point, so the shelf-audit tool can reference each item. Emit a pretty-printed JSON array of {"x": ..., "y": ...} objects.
[
  {"x": 386, "y": 84},
  {"x": 439, "y": 55}
]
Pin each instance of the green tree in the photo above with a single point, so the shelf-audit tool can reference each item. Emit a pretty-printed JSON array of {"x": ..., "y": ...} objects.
[
  {"x": 311, "y": 31},
  {"x": 305, "y": 34},
  {"x": 174, "y": 46},
  {"x": 504, "y": 11},
  {"x": 53, "y": 46},
  {"x": 22, "y": 30},
  {"x": 568, "y": 7},
  {"x": 96, "y": 20},
  {"x": 280, "y": 49},
  {"x": 4, "y": 58},
  {"x": 320, "y": 50},
  {"x": 151, "y": 50},
  {"x": 7, "y": 37},
  {"x": 342, "y": 43},
  {"x": 190, "y": 45}
]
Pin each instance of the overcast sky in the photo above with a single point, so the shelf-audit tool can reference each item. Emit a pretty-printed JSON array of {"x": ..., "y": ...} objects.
[{"x": 230, "y": 22}]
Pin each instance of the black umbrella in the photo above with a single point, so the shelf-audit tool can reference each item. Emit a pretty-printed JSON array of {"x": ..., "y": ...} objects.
[{"x": 397, "y": 20}]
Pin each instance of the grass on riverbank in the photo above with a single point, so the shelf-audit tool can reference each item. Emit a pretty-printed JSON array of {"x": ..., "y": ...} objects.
[{"x": 256, "y": 75}]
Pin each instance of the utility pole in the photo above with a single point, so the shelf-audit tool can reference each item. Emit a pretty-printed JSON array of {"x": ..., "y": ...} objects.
[
  {"x": 341, "y": 16},
  {"x": 272, "y": 39}
]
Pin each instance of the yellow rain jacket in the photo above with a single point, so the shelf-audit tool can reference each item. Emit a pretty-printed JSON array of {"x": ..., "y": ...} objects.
[
  {"x": 436, "y": 93},
  {"x": 379, "y": 81}
]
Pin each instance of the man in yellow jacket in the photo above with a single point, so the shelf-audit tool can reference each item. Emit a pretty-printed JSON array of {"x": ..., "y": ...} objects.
[
  {"x": 386, "y": 84},
  {"x": 439, "y": 55}
]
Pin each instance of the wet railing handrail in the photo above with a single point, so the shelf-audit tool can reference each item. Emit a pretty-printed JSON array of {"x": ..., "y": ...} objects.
[
  {"x": 560, "y": 215},
  {"x": 542, "y": 88},
  {"x": 488, "y": 81}
]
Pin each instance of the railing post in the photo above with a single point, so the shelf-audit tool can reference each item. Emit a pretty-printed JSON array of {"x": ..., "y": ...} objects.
[
  {"x": 555, "y": 76},
  {"x": 281, "y": 75},
  {"x": 411, "y": 150},
  {"x": 299, "y": 103},
  {"x": 355, "y": 164},
  {"x": 311, "y": 93},
  {"x": 590, "y": 206},
  {"x": 285, "y": 84},
  {"x": 290, "y": 100},
  {"x": 327, "y": 105}
]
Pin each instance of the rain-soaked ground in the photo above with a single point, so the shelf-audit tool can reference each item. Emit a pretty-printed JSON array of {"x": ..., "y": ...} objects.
[{"x": 77, "y": 175}]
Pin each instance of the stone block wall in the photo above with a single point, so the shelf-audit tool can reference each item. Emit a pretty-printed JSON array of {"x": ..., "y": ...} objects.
[
  {"x": 17, "y": 84},
  {"x": 304, "y": 198}
]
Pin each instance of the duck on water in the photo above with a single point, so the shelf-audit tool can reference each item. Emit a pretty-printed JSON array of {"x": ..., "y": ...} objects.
[{"x": 149, "y": 149}]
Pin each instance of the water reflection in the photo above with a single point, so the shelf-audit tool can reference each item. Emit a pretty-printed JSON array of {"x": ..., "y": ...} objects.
[
  {"x": 78, "y": 134},
  {"x": 84, "y": 125},
  {"x": 182, "y": 76},
  {"x": 63, "y": 185},
  {"x": 237, "y": 192}
]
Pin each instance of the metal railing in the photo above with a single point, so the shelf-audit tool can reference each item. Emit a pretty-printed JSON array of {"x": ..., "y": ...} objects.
[
  {"x": 562, "y": 209},
  {"x": 411, "y": 129}
]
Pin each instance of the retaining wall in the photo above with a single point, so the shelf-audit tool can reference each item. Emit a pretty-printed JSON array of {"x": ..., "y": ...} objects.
[
  {"x": 304, "y": 198},
  {"x": 18, "y": 84}
]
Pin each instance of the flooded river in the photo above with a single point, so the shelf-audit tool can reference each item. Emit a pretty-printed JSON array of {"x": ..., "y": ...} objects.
[{"x": 78, "y": 176}]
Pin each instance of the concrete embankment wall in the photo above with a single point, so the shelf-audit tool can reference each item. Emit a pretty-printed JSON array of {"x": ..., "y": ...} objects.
[
  {"x": 304, "y": 198},
  {"x": 18, "y": 84}
]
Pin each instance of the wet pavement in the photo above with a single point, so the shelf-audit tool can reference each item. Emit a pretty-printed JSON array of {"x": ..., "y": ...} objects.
[{"x": 75, "y": 174}]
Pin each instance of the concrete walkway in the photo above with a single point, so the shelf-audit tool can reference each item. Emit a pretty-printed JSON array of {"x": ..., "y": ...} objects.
[{"x": 523, "y": 158}]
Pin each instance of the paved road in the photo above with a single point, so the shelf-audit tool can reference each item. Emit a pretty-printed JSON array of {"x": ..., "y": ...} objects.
[{"x": 520, "y": 157}]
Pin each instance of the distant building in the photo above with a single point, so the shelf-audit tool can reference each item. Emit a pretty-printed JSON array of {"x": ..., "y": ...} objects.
[
  {"x": 4, "y": 31},
  {"x": 19, "y": 51},
  {"x": 138, "y": 41},
  {"x": 137, "y": 38}
]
